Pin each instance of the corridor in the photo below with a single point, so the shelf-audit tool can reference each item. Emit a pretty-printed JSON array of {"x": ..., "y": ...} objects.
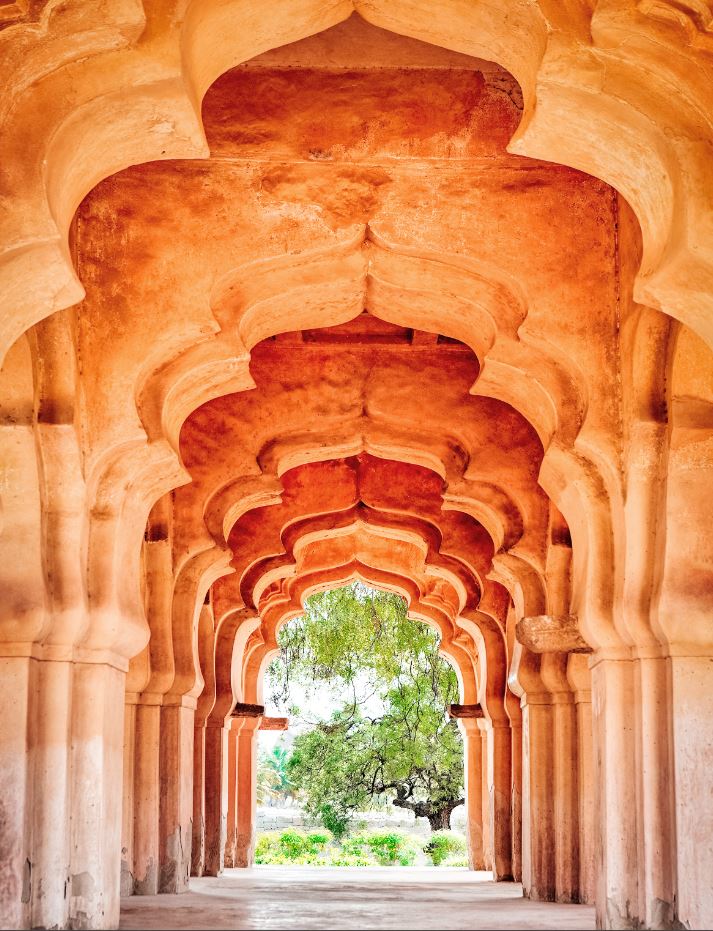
[
  {"x": 414, "y": 295},
  {"x": 344, "y": 897}
]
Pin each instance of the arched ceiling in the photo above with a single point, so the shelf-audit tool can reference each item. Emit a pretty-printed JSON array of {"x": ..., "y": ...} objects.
[
  {"x": 344, "y": 390},
  {"x": 190, "y": 266},
  {"x": 338, "y": 466},
  {"x": 482, "y": 287},
  {"x": 360, "y": 267}
]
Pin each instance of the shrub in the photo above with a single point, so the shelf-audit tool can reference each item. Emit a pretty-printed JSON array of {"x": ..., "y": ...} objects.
[
  {"x": 341, "y": 859},
  {"x": 335, "y": 822},
  {"x": 319, "y": 839},
  {"x": 266, "y": 846},
  {"x": 293, "y": 844},
  {"x": 411, "y": 849},
  {"x": 319, "y": 848},
  {"x": 444, "y": 845},
  {"x": 355, "y": 845},
  {"x": 386, "y": 847},
  {"x": 406, "y": 857}
]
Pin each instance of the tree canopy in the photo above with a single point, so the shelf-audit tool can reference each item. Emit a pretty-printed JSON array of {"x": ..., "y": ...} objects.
[{"x": 390, "y": 736}]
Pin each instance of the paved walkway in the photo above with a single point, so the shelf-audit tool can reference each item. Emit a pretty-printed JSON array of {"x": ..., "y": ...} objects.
[{"x": 366, "y": 898}]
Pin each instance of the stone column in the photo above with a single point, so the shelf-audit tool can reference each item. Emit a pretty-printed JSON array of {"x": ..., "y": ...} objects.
[
  {"x": 49, "y": 865},
  {"x": 146, "y": 795},
  {"x": 538, "y": 833},
  {"x": 23, "y": 626},
  {"x": 554, "y": 755},
  {"x": 657, "y": 868},
  {"x": 615, "y": 770},
  {"x": 473, "y": 750},
  {"x": 176, "y": 804},
  {"x": 580, "y": 680},
  {"x": 198, "y": 825},
  {"x": 692, "y": 694},
  {"x": 246, "y": 800},
  {"x": 95, "y": 795},
  {"x": 126, "y": 885},
  {"x": 500, "y": 812},
  {"x": 205, "y": 705},
  {"x": 538, "y": 828},
  {"x": 684, "y": 624},
  {"x": 150, "y": 676},
  {"x": 566, "y": 800},
  {"x": 60, "y": 839},
  {"x": 486, "y": 783},
  {"x": 232, "y": 790},
  {"x": 566, "y": 778},
  {"x": 216, "y": 796},
  {"x": 515, "y": 715},
  {"x": 18, "y": 694}
]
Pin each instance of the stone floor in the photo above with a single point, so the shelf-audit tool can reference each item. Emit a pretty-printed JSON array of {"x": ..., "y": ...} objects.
[{"x": 364, "y": 898}]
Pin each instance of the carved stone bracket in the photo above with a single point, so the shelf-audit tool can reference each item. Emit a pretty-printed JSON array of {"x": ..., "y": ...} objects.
[
  {"x": 243, "y": 710},
  {"x": 551, "y": 633},
  {"x": 274, "y": 724},
  {"x": 465, "y": 711}
]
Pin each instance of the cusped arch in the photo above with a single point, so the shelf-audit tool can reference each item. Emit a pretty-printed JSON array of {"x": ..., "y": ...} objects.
[{"x": 263, "y": 642}]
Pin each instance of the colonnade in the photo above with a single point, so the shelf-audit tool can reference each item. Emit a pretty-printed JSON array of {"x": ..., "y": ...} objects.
[{"x": 420, "y": 296}]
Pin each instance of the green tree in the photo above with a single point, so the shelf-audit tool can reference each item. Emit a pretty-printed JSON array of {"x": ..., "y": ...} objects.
[{"x": 361, "y": 643}]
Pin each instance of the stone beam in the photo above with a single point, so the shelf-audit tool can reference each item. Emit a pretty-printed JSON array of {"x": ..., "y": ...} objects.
[{"x": 551, "y": 633}]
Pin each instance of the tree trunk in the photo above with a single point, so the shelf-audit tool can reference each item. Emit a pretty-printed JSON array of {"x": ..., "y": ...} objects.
[{"x": 440, "y": 820}]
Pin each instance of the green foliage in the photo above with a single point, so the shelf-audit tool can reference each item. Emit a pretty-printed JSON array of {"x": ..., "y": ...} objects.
[
  {"x": 319, "y": 838},
  {"x": 291, "y": 846},
  {"x": 361, "y": 642},
  {"x": 335, "y": 821},
  {"x": 444, "y": 846},
  {"x": 386, "y": 847},
  {"x": 345, "y": 860},
  {"x": 266, "y": 842},
  {"x": 273, "y": 781},
  {"x": 367, "y": 848},
  {"x": 354, "y": 629}
]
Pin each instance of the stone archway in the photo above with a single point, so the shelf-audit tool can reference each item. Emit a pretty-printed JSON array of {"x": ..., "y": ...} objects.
[{"x": 597, "y": 531}]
